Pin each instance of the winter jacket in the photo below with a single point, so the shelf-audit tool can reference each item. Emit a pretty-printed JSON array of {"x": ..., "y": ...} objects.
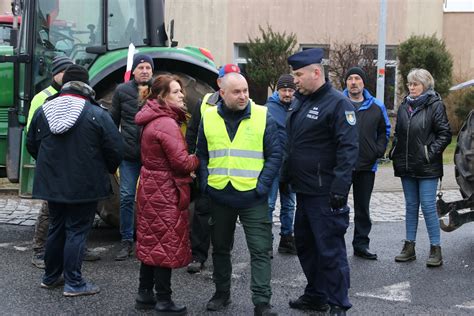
[
  {"x": 278, "y": 110},
  {"x": 322, "y": 145},
  {"x": 125, "y": 106},
  {"x": 420, "y": 138},
  {"x": 373, "y": 126},
  {"x": 271, "y": 151},
  {"x": 76, "y": 146},
  {"x": 163, "y": 194}
]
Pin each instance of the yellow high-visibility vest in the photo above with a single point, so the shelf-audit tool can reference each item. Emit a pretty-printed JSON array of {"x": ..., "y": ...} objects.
[
  {"x": 204, "y": 105},
  {"x": 241, "y": 160}
]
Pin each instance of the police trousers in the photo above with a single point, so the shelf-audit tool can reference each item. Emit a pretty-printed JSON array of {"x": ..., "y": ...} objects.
[
  {"x": 319, "y": 238},
  {"x": 258, "y": 234}
]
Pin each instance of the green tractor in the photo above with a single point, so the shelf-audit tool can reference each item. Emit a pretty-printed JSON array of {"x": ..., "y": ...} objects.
[{"x": 95, "y": 34}]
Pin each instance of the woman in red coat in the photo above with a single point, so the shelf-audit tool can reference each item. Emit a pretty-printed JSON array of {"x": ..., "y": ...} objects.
[{"x": 163, "y": 194}]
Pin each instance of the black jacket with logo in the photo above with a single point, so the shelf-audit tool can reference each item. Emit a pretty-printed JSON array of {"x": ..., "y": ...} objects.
[
  {"x": 420, "y": 139},
  {"x": 322, "y": 147}
]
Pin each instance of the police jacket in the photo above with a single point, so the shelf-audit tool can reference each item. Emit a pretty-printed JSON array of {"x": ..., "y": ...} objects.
[
  {"x": 124, "y": 108},
  {"x": 421, "y": 135},
  {"x": 373, "y": 126},
  {"x": 76, "y": 146},
  {"x": 272, "y": 154},
  {"x": 193, "y": 126},
  {"x": 322, "y": 144}
]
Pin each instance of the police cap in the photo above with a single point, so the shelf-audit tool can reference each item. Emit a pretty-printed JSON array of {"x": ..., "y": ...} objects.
[{"x": 305, "y": 58}]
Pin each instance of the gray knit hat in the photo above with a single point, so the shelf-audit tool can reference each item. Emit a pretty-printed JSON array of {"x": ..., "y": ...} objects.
[
  {"x": 60, "y": 63},
  {"x": 285, "y": 81}
]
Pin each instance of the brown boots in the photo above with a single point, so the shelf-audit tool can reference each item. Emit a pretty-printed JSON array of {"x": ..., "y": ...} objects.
[{"x": 408, "y": 254}]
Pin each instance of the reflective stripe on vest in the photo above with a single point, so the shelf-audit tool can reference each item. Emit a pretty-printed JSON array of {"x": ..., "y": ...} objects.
[
  {"x": 204, "y": 105},
  {"x": 241, "y": 160}
]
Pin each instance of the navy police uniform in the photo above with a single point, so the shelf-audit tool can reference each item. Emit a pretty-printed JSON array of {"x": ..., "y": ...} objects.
[{"x": 321, "y": 153}]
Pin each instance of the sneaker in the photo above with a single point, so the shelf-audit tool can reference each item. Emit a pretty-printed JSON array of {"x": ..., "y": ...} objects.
[
  {"x": 38, "y": 260},
  {"x": 126, "y": 249},
  {"x": 59, "y": 281},
  {"x": 218, "y": 301},
  {"x": 195, "y": 267},
  {"x": 263, "y": 309},
  {"x": 86, "y": 289},
  {"x": 90, "y": 255}
]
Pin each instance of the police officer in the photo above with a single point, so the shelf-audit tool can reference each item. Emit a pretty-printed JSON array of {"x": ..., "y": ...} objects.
[
  {"x": 321, "y": 153},
  {"x": 200, "y": 231}
]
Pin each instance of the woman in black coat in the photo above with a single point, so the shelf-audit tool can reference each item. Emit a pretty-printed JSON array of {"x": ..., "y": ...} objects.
[{"x": 422, "y": 133}]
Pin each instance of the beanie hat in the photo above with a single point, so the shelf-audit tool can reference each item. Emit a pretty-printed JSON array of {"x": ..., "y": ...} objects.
[
  {"x": 285, "y": 81},
  {"x": 356, "y": 71},
  {"x": 60, "y": 63},
  {"x": 76, "y": 73},
  {"x": 141, "y": 58},
  {"x": 227, "y": 69}
]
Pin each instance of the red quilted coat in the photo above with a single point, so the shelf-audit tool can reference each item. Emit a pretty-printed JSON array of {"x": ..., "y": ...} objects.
[{"x": 163, "y": 194}]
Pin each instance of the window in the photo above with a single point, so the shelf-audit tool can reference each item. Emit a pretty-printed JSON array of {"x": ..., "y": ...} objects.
[
  {"x": 241, "y": 55},
  {"x": 390, "y": 95},
  {"x": 458, "y": 6}
]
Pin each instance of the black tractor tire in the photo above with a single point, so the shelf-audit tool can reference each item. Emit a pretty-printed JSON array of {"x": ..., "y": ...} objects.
[
  {"x": 464, "y": 157},
  {"x": 109, "y": 210}
]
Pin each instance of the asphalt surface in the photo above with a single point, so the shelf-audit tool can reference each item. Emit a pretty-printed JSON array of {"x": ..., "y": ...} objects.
[{"x": 377, "y": 287}]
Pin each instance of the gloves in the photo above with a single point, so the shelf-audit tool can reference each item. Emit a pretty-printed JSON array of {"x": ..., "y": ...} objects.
[
  {"x": 337, "y": 201},
  {"x": 284, "y": 188}
]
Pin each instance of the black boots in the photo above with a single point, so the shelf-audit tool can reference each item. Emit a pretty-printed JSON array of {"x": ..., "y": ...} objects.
[
  {"x": 218, "y": 301},
  {"x": 287, "y": 245},
  {"x": 169, "y": 308},
  {"x": 305, "y": 303},
  {"x": 435, "y": 259},
  {"x": 408, "y": 252},
  {"x": 145, "y": 299},
  {"x": 263, "y": 309}
]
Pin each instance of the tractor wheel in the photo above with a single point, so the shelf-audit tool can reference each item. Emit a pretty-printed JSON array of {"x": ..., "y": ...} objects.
[
  {"x": 464, "y": 157},
  {"x": 109, "y": 210}
]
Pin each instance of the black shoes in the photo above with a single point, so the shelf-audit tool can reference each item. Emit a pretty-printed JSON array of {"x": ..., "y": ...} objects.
[
  {"x": 218, "y": 301},
  {"x": 168, "y": 308},
  {"x": 195, "y": 266},
  {"x": 337, "y": 311},
  {"x": 145, "y": 300},
  {"x": 287, "y": 245},
  {"x": 126, "y": 250},
  {"x": 263, "y": 309},
  {"x": 305, "y": 303},
  {"x": 365, "y": 254}
]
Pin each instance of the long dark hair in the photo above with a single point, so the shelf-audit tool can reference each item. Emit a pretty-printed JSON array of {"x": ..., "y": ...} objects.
[{"x": 160, "y": 88}]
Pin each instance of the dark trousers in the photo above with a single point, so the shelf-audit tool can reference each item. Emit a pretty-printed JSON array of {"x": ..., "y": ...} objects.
[
  {"x": 257, "y": 227},
  {"x": 69, "y": 225},
  {"x": 200, "y": 230},
  {"x": 362, "y": 186},
  {"x": 158, "y": 277},
  {"x": 319, "y": 238}
]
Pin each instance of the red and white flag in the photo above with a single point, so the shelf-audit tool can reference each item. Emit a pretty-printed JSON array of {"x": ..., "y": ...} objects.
[{"x": 128, "y": 72}]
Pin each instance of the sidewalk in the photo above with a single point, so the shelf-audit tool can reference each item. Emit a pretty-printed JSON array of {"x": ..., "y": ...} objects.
[{"x": 387, "y": 203}]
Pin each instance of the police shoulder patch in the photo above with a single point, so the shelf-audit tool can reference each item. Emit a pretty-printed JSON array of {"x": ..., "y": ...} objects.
[{"x": 350, "y": 117}]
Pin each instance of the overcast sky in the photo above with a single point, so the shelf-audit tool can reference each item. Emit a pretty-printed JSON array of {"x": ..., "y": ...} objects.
[{"x": 459, "y": 5}]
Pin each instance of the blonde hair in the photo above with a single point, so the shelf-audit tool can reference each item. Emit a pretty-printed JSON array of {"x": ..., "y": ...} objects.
[{"x": 422, "y": 76}]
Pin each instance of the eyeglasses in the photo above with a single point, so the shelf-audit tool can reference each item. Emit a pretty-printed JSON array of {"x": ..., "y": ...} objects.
[{"x": 413, "y": 84}]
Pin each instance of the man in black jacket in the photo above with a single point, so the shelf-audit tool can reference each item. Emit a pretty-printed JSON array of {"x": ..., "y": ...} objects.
[
  {"x": 240, "y": 155},
  {"x": 373, "y": 126},
  {"x": 320, "y": 155},
  {"x": 76, "y": 145},
  {"x": 124, "y": 108}
]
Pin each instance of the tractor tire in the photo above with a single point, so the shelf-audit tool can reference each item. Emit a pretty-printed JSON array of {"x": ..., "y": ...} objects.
[
  {"x": 109, "y": 210},
  {"x": 464, "y": 157}
]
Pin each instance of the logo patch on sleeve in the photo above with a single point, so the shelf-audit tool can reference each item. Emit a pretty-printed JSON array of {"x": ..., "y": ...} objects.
[{"x": 351, "y": 117}]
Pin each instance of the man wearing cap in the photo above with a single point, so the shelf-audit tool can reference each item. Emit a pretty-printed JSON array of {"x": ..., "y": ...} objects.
[
  {"x": 60, "y": 63},
  {"x": 125, "y": 106},
  {"x": 278, "y": 104},
  {"x": 200, "y": 230},
  {"x": 320, "y": 155},
  {"x": 374, "y": 131},
  {"x": 71, "y": 135},
  {"x": 239, "y": 157}
]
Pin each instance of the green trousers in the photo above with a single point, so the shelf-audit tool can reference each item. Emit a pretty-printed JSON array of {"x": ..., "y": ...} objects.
[{"x": 258, "y": 234}]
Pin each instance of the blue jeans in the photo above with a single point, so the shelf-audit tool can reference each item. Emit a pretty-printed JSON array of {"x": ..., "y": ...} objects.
[
  {"x": 129, "y": 172},
  {"x": 421, "y": 191},
  {"x": 287, "y": 211},
  {"x": 69, "y": 225}
]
